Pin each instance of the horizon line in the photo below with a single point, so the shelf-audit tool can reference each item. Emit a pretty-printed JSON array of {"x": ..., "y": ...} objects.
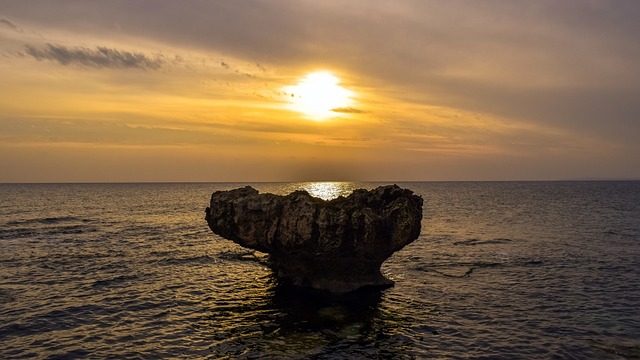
[{"x": 307, "y": 181}]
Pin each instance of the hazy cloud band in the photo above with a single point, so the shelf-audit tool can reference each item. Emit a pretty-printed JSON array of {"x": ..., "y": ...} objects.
[
  {"x": 101, "y": 57},
  {"x": 11, "y": 25}
]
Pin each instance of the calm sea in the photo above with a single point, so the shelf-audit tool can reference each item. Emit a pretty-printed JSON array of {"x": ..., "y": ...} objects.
[{"x": 502, "y": 270}]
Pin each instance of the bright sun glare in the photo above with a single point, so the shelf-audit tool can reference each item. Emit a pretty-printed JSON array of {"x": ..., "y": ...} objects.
[{"x": 318, "y": 95}]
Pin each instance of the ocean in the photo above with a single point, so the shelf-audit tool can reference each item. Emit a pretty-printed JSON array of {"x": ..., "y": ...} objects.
[{"x": 501, "y": 270}]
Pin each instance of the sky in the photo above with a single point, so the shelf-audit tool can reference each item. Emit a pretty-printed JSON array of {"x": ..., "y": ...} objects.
[{"x": 163, "y": 90}]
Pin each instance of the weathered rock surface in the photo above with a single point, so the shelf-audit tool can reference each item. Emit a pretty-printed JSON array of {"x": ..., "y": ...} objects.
[{"x": 336, "y": 245}]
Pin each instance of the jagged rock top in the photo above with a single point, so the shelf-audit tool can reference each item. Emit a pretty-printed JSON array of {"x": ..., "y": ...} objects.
[{"x": 367, "y": 223}]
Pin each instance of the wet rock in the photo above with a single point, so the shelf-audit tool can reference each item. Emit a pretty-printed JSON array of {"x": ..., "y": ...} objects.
[{"x": 336, "y": 245}]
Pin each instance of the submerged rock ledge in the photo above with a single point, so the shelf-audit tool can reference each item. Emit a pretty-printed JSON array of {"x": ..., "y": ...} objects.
[{"x": 336, "y": 245}]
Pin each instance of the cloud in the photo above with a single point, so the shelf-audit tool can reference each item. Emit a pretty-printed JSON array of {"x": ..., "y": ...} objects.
[
  {"x": 101, "y": 57},
  {"x": 348, "y": 110},
  {"x": 11, "y": 25}
]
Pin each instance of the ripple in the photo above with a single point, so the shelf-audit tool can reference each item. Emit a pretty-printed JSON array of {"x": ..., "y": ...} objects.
[
  {"x": 6, "y": 295},
  {"x": 48, "y": 220},
  {"x": 116, "y": 281},
  {"x": 474, "y": 242}
]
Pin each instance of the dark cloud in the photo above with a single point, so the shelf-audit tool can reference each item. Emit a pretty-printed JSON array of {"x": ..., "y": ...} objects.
[
  {"x": 348, "y": 110},
  {"x": 225, "y": 65},
  {"x": 8, "y": 23},
  {"x": 100, "y": 57}
]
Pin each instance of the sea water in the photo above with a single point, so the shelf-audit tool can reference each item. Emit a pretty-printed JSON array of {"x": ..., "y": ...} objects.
[{"x": 501, "y": 270}]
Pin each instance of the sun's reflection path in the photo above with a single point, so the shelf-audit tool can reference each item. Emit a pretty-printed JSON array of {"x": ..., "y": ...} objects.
[{"x": 329, "y": 190}]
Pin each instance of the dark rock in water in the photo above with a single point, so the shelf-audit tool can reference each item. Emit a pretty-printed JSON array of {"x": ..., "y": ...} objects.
[{"x": 337, "y": 245}]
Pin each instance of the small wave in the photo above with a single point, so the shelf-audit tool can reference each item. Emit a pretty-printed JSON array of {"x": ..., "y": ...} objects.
[
  {"x": 473, "y": 242},
  {"x": 204, "y": 259},
  {"x": 28, "y": 232},
  {"x": 16, "y": 233},
  {"x": 65, "y": 225},
  {"x": 533, "y": 262},
  {"x": 466, "y": 273},
  {"x": 621, "y": 233},
  {"x": 15, "y": 329},
  {"x": 446, "y": 273},
  {"x": 525, "y": 261},
  {"x": 48, "y": 220},
  {"x": 6, "y": 296},
  {"x": 71, "y": 229},
  {"x": 627, "y": 351},
  {"x": 251, "y": 255},
  {"x": 53, "y": 320},
  {"x": 113, "y": 282},
  {"x": 456, "y": 269}
]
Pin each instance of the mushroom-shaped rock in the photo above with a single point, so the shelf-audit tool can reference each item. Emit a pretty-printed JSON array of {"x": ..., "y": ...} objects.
[{"x": 337, "y": 245}]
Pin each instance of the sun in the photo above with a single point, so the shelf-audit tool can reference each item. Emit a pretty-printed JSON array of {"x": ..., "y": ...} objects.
[{"x": 318, "y": 95}]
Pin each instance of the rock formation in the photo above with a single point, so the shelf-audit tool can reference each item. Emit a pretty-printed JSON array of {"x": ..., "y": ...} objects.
[{"x": 337, "y": 245}]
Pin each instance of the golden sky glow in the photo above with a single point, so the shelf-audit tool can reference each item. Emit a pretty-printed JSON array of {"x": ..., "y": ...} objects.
[{"x": 307, "y": 90}]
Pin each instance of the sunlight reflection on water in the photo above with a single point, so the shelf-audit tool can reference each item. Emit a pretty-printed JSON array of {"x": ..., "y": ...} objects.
[{"x": 328, "y": 190}]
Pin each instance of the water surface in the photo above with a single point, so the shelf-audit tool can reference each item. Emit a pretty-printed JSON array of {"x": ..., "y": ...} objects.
[{"x": 501, "y": 270}]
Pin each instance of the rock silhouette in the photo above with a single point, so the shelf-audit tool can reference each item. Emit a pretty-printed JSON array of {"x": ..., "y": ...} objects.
[{"x": 337, "y": 245}]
